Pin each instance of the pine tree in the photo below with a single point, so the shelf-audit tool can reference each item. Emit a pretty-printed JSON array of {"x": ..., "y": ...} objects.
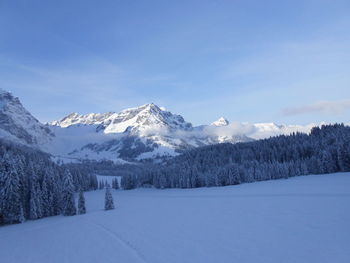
[
  {"x": 21, "y": 217},
  {"x": 10, "y": 193},
  {"x": 24, "y": 185},
  {"x": 93, "y": 182},
  {"x": 68, "y": 205},
  {"x": 33, "y": 203},
  {"x": 57, "y": 195},
  {"x": 46, "y": 198},
  {"x": 39, "y": 201},
  {"x": 116, "y": 184},
  {"x": 344, "y": 158},
  {"x": 81, "y": 203},
  {"x": 109, "y": 204}
]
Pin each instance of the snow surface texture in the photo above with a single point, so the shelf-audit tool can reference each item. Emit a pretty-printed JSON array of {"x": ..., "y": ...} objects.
[{"x": 302, "y": 219}]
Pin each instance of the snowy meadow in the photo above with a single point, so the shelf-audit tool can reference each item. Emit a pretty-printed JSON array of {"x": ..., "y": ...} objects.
[{"x": 301, "y": 219}]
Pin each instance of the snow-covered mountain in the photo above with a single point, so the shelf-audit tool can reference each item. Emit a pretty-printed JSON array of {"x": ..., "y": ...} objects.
[
  {"x": 135, "y": 120},
  {"x": 145, "y": 132},
  {"x": 137, "y": 133},
  {"x": 220, "y": 122},
  {"x": 17, "y": 124}
]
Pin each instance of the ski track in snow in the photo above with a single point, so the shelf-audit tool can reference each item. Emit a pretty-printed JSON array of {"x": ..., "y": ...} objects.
[{"x": 120, "y": 240}]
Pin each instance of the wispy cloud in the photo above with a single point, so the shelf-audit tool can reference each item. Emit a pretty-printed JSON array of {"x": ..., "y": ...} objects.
[{"x": 329, "y": 107}]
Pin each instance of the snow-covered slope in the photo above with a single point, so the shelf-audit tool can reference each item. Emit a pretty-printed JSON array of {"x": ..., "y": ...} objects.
[
  {"x": 144, "y": 132},
  {"x": 17, "y": 124},
  {"x": 302, "y": 219}
]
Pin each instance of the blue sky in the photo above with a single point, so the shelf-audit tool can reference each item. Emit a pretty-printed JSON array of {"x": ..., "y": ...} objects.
[{"x": 256, "y": 61}]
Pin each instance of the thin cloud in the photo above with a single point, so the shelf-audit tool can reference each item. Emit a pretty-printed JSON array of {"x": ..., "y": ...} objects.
[{"x": 329, "y": 107}]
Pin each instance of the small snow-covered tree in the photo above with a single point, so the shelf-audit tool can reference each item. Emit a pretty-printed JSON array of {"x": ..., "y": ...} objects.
[
  {"x": 109, "y": 204},
  {"x": 69, "y": 208},
  {"x": 116, "y": 184},
  {"x": 81, "y": 203}
]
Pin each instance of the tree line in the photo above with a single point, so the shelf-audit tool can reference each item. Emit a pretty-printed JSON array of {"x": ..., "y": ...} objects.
[
  {"x": 325, "y": 150},
  {"x": 32, "y": 186}
]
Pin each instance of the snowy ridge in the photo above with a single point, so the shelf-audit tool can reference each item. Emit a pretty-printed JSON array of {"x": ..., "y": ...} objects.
[
  {"x": 17, "y": 124},
  {"x": 87, "y": 119},
  {"x": 148, "y": 116}
]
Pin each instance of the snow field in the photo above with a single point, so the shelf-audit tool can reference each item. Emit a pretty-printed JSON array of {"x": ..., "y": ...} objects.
[{"x": 302, "y": 219}]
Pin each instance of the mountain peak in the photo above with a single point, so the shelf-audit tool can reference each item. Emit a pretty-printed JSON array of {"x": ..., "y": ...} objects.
[
  {"x": 7, "y": 97},
  {"x": 135, "y": 119},
  {"x": 150, "y": 106},
  {"x": 3, "y": 91},
  {"x": 220, "y": 122}
]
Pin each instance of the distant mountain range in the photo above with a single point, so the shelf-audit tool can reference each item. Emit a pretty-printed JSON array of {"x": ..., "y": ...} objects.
[{"x": 135, "y": 134}]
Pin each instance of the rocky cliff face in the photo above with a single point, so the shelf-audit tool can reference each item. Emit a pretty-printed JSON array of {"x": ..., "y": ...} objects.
[{"x": 17, "y": 124}]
